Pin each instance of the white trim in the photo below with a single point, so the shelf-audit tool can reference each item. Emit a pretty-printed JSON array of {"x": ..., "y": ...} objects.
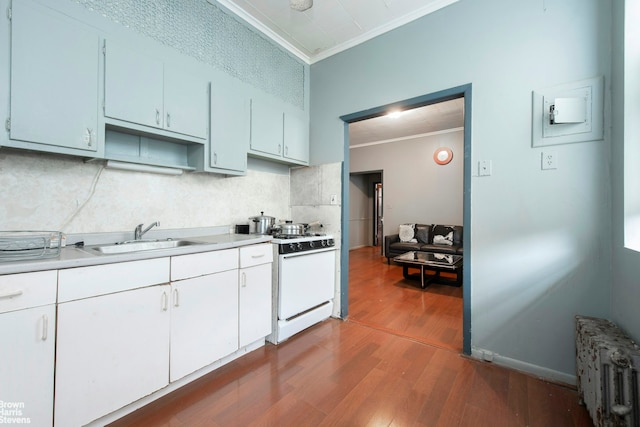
[
  {"x": 519, "y": 365},
  {"x": 311, "y": 59},
  {"x": 406, "y": 138},
  {"x": 249, "y": 19},
  {"x": 391, "y": 25}
]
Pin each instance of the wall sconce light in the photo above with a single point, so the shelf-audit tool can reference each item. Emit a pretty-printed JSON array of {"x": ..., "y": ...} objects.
[{"x": 442, "y": 155}]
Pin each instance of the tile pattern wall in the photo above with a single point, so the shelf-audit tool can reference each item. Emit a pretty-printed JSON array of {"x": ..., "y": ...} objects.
[
  {"x": 206, "y": 32},
  {"x": 58, "y": 193}
]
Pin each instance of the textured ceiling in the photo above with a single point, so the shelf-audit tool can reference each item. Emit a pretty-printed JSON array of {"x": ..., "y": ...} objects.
[
  {"x": 418, "y": 121},
  {"x": 330, "y": 26}
]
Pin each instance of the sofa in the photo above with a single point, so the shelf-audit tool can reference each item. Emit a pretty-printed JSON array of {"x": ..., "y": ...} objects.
[{"x": 444, "y": 239}]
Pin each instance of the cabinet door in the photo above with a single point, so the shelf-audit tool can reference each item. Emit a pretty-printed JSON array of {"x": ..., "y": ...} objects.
[
  {"x": 111, "y": 350},
  {"x": 133, "y": 86},
  {"x": 204, "y": 321},
  {"x": 255, "y": 303},
  {"x": 230, "y": 128},
  {"x": 27, "y": 362},
  {"x": 54, "y": 79},
  {"x": 266, "y": 128},
  {"x": 296, "y": 137},
  {"x": 185, "y": 103}
]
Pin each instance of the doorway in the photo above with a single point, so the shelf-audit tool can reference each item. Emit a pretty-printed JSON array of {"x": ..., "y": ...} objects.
[
  {"x": 366, "y": 209},
  {"x": 464, "y": 93}
]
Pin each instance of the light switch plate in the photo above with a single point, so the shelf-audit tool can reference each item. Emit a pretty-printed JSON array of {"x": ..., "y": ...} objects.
[{"x": 484, "y": 168}]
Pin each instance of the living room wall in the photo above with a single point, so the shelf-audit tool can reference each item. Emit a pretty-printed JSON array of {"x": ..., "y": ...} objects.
[
  {"x": 415, "y": 188},
  {"x": 540, "y": 240}
]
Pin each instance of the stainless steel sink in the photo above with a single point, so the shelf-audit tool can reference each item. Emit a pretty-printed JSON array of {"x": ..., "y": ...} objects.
[{"x": 139, "y": 245}]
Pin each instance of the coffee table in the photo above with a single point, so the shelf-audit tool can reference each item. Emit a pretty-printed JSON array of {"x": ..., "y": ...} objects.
[{"x": 427, "y": 261}]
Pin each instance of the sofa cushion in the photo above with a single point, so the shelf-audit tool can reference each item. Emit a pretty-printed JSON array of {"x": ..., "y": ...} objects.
[
  {"x": 405, "y": 246},
  {"x": 407, "y": 233},
  {"x": 441, "y": 249},
  {"x": 442, "y": 235},
  {"x": 423, "y": 233}
]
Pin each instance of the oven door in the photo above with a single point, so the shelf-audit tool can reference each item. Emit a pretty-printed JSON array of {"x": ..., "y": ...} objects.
[{"x": 305, "y": 280}]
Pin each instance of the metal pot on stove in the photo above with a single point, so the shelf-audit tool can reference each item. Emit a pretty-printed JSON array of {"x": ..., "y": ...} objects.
[
  {"x": 290, "y": 229},
  {"x": 261, "y": 224}
]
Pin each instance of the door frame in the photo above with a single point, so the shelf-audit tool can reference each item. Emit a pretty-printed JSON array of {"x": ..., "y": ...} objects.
[{"x": 463, "y": 91}]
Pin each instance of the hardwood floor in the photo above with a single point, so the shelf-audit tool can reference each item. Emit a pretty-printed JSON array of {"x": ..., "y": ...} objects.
[
  {"x": 380, "y": 297},
  {"x": 357, "y": 373}
]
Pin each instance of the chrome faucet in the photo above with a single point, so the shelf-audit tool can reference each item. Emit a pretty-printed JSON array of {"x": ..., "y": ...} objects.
[{"x": 139, "y": 232}]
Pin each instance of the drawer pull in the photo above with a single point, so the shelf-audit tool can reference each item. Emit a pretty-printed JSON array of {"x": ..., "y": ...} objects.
[
  {"x": 165, "y": 306},
  {"x": 176, "y": 298},
  {"x": 258, "y": 255},
  {"x": 45, "y": 327},
  {"x": 11, "y": 294}
]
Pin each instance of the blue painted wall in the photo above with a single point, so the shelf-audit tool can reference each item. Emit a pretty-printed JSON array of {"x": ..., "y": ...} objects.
[{"x": 541, "y": 240}]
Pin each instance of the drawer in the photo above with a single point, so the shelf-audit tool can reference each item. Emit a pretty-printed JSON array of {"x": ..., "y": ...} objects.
[
  {"x": 85, "y": 282},
  {"x": 194, "y": 265},
  {"x": 26, "y": 290},
  {"x": 256, "y": 255}
]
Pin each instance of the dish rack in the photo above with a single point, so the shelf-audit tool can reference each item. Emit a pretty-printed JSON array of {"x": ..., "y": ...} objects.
[{"x": 26, "y": 245}]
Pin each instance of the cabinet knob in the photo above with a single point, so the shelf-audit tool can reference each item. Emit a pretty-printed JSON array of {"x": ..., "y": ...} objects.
[
  {"x": 157, "y": 117},
  {"x": 215, "y": 158},
  {"x": 168, "y": 120},
  {"x": 279, "y": 148}
]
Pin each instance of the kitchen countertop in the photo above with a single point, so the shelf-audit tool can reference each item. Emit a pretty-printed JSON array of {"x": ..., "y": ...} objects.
[{"x": 71, "y": 256}]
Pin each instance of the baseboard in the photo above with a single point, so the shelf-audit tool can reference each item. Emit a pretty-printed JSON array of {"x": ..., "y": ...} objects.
[{"x": 529, "y": 368}]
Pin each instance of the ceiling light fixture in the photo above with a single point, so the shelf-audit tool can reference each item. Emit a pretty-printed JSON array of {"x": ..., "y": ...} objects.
[{"x": 300, "y": 5}]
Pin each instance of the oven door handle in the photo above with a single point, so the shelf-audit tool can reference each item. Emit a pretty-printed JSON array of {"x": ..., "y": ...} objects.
[{"x": 305, "y": 253}]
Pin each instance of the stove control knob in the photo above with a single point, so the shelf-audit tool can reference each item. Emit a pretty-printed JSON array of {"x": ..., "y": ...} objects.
[
  {"x": 292, "y": 246},
  {"x": 312, "y": 244},
  {"x": 299, "y": 246}
]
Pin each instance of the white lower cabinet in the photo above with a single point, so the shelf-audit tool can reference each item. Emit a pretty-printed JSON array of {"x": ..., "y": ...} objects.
[
  {"x": 255, "y": 293},
  {"x": 204, "y": 325},
  {"x": 126, "y": 330},
  {"x": 112, "y": 350},
  {"x": 27, "y": 328}
]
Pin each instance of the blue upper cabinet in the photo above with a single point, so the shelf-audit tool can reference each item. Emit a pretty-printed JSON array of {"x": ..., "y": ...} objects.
[
  {"x": 230, "y": 126},
  {"x": 54, "y": 82},
  {"x": 296, "y": 136},
  {"x": 145, "y": 94},
  {"x": 279, "y": 133}
]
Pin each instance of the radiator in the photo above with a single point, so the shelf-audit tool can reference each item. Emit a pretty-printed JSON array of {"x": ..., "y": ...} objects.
[{"x": 607, "y": 368}]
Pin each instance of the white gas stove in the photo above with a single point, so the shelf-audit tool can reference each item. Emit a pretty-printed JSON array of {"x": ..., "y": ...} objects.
[{"x": 304, "y": 283}]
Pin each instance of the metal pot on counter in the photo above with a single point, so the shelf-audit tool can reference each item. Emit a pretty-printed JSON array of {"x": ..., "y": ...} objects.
[{"x": 261, "y": 224}]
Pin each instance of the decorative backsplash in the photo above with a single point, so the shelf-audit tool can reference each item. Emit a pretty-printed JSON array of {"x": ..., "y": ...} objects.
[{"x": 206, "y": 32}]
